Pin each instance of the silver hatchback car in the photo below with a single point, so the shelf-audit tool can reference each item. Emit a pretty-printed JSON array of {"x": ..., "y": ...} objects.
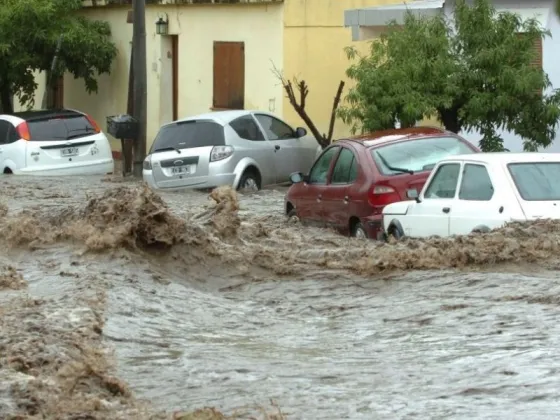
[{"x": 244, "y": 149}]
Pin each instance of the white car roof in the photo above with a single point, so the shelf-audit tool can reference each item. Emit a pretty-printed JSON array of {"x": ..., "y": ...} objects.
[
  {"x": 505, "y": 157},
  {"x": 223, "y": 117}
]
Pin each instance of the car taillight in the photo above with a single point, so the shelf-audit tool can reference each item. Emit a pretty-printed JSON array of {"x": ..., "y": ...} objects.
[
  {"x": 23, "y": 131},
  {"x": 93, "y": 124},
  {"x": 220, "y": 153},
  {"x": 381, "y": 195},
  {"x": 147, "y": 165}
]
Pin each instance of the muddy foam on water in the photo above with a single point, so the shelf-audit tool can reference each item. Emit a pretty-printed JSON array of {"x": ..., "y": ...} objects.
[
  {"x": 136, "y": 217},
  {"x": 52, "y": 363}
]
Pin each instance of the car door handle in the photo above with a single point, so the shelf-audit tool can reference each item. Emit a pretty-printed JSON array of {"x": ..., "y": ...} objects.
[
  {"x": 276, "y": 147},
  {"x": 346, "y": 198},
  {"x": 446, "y": 209}
]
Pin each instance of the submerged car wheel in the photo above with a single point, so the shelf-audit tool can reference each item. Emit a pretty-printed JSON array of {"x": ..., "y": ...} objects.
[
  {"x": 249, "y": 181},
  {"x": 292, "y": 216},
  {"x": 395, "y": 234},
  {"x": 359, "y": 231}
]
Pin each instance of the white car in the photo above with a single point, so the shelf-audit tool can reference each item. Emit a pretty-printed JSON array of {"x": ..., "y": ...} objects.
[
  {"x": 244, "y": 149},
  {"x": 53, "y": 143},
  {"x": 477, "y": 193}
]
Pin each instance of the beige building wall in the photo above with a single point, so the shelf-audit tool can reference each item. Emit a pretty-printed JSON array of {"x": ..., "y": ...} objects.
[
  {"x": 259, "y": 26},
  {"x": 314, "y": 42}
]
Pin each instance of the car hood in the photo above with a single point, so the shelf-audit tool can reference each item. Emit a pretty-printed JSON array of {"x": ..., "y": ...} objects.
[{"x": 400, "y": 207}]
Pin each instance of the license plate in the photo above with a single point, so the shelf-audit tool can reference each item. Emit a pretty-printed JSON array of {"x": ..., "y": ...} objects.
[
  {"x": 183, "y": 170},
  {"x": 69, "y": 151}
]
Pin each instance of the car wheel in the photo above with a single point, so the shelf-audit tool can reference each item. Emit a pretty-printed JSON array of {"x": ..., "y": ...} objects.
[
  {"x": 395, "y": 233},
  {"x": 249, "y": 181},
  {"x": 359, "y": 231},
  {"x": 292, "y": 216}
]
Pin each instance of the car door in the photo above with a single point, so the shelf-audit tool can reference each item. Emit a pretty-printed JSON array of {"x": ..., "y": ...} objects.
[
  {"x": 430, "y": 216},
  {"x": 287, "y": 159},
  {"x": 310, "y": 201},
  {"x": 478, "y": 203},
  {"x": 335, "y": 195},
  {"x": 252, "y": 144}
]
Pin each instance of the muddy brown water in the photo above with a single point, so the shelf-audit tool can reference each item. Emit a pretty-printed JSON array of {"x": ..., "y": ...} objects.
[{"x": 116, "y": 302}]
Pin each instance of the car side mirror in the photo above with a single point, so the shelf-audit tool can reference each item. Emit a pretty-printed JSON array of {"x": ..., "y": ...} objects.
[
  {"x": 297, "y": 177},
  {"x": 300, "y": 132},
  {"x": 412, "y": 194}
]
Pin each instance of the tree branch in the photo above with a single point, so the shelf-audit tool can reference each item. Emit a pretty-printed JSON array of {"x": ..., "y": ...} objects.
[
  {"x": 299, "y": 107},
  {"x": 334, "y": 108}
]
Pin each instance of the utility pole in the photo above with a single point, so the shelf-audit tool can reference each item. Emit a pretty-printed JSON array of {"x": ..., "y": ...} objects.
[
  {"x": 47, "y": 96},
  {"x": 140, "y": 82}
]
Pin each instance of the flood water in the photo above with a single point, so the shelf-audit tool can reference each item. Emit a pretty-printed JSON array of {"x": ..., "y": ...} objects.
[{"x": 228, "y": 309}]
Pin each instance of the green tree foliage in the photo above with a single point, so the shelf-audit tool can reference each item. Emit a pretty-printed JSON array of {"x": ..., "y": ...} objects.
[
  {"x": 472, "y": 73},
  {"x": 29, "y": 32}
]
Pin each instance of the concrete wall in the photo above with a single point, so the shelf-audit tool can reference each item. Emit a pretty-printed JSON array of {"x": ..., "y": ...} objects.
[
  {"x": 314, "y": 41},
  {"x": 197, "y": 27}
]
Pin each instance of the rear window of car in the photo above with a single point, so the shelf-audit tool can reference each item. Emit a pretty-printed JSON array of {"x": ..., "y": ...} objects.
[
  {"x": 189, "y": 134},
  {"x": 536, "y": 181},
  {"x": 60, "y": 128},
  {"x": 417, "y": 155}
]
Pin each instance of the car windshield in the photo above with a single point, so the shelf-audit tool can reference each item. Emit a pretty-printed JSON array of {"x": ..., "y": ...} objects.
[
  {"x": 416, "y": 155},
  {"x": 60, "y": 128},
  {"x": 189, "y": 134},
  {"x": 536, "y": 181}
]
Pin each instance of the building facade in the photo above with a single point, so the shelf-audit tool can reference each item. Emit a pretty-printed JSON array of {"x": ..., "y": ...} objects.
[{"x": 220, "y": 56}]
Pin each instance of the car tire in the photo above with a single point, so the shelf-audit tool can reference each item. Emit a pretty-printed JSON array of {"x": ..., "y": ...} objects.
[
  {"x": 358, "y": 231},
  {"x": 395, "y": 233},
  {"x": 249, "y": 181},
  {"x": 292, "y": 216}
]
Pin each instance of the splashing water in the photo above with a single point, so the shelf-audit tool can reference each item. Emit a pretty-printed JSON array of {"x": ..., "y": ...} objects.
[{"x": 217, "y": 300}]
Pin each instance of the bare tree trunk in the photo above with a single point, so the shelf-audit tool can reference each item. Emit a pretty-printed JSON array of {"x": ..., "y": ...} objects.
[
  {"x": 6, "y": 100},
  {"x": 450, "y": 119},
  {"x": 299, "y": 106}
]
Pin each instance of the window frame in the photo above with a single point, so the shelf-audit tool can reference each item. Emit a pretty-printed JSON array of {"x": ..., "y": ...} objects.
[
  {"x": 4, "y": 140},
  {"x": 256, "y": 125},
  {"x": 235, "y": 53},
  {"x": 431, "y": 180},
  {"x": 153, "y": 147},
  {"x": 331, "y": 165},
  {"x": 462, "y": 178},
  {"x": 256, "y": 115},
  {"x": 354, "y": 159},
  {"x": 516, "y": 184},
  {"x": 379, "y": 148}
]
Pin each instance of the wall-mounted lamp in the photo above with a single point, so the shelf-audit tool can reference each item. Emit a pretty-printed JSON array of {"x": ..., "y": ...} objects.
[{"x": 162, "y": 26}]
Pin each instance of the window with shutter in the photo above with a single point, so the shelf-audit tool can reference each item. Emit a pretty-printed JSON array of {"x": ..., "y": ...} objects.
[{"x": 229, "y": 75}]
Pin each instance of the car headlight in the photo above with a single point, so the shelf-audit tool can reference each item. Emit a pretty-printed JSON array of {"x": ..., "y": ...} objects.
[{"x": 147, "y": 164}]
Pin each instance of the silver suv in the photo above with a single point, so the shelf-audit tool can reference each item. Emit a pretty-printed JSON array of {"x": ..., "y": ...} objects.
[{"x": 244, "y": 149}]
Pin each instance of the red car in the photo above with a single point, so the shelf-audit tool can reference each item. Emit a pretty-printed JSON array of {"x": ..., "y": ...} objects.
[{"x": 353, "y": 179}]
